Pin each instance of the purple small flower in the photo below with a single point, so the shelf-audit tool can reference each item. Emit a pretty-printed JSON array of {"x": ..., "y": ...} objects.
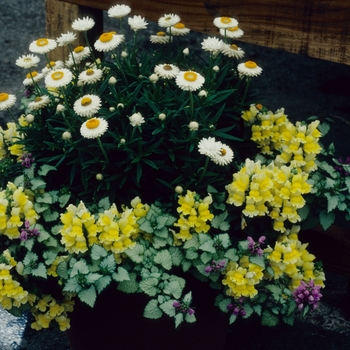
[
  {"x": 27, "y": 232},
  {"x": 254, "y": 247},
  {"x": 237, "y": 309},
  {"x": 307, "y": 294},
  {"x": 215, "y": 266},
  {"x": 340, "y": 168},
  {"x": 183, "y": 308},
  {"x": 27, "y": 160}
]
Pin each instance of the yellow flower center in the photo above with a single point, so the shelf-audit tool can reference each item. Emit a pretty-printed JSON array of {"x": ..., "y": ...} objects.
[
  {"x": 233, "y": 29},
  {"x": 38, "y": 99},
  {"x": 106, "y": 37},
  {"x": 86, "y": 101},
  {"x": 259, "y": 106},
  {"x": 223, "y": 151},
  {"x": 179, "y": 25},
  {"x": 57, "y": 75},
  {"x": 190, "y": 76},
  {"x": 79, "y": 49},
  {"x": 31, "y": 75},
  {"x": 92, "y": 123},
  {"x": 250, "y": 64},
  {"x": 3, "y": 96},
  {"x": 225, "y": 20},
  {"x": 52, "y": 64},
  {"x": 160, "y": 34},
  {"x": 42, "y": 42},
  {"x": 90, "y": 71},
  {"x": 167, "y": 67},
  {"x": 234, "y": 47}
]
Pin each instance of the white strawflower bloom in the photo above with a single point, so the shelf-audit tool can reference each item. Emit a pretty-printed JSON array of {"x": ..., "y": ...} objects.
[
  {"x": 224, "y": 157},
  {"x": 212, "y": 45},
  {"x": 119, "y": 11},
  {"x": 232, "y": 51},
  {"x": 93, "y": 128},
  {"x": 160, "y": 38},
  {"x": 137, "y": 22},
  {"x": 120, "y": 105},
  {"x": 225, "y": 22},
  {"x": 6, "y": 101},
  {"x": 209, "y": 147},
  {"x": 179, "y": 29},
  {"x": 232, "y": 33},
  {"x": 87, "y": 106},
  {"x": 124, "y": 54},
  {"x": 83, "y": 24},
  {"x": 53, "y": 65},
  {"x": 166, "y": 71},
  {"x": 108, "y": 41},
  {"x": 136, "y": 119},
  {"x": 39, "y": 102},
  {"x": 66, "y": 39},
  {"x": 58, "y": 78},
  {"x": 28, "y": 61},
  {"x": 189, "y": 81},
  {"x": 32, "y": 77},
  {"x": 79, "y": 54},
  {"x": 42, "y": 45},
  {"x": 249, "y": 69},
  {"x": 90, "y": 76},
  {"x": 168, "y": 20},
  {"x": 193, "y": 126}
]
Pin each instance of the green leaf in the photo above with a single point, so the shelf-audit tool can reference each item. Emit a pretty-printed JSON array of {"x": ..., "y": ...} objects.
[
  {"x": 206, "y": 257},
  {"x": 149, "y": 286},
  {"x": 219, "y": 220},
  {"x": 248, "y": 310},
  {"x": 223, "y": 304},
  {"x": 108, "y": 264},
  {"x": 44, "y": 198},
  {"x": 61, "y": 270},
  {"x": 50, "y": 216},
  {"x": 128, "y": 286},
  {"x": 102, "y": 283},
  {"x": 44, "y": 169},
  {"x": 332, "y": 202},
  {"x": 168, "y": 308},
  {"x": 269, "y": 319},
  {"x": 208, "y": 247},
  {"x": 91, "y": 278},
  {"x": 257, "y": 309},
  {"x": 121, "y": 275},
  {"x": 98, "y": 252},
  {"x": 104, "y": 203},
  {"x": 232, "y": 318},
  {"x": 191, "y": 254},
  {"x": 326, "y": 219},
  {"x": 80, "y": 267},
  {"x": 190, "y": 318},
  {"x": 224, "y": 239},
  {"x": 40, "y": 271},
  {"x": 257, "y": 260},
  {"x": 173, "y": 288},
  {"x": 30, "y": 258},
  {"x": 37, "y": 183},
  {"x": 152, "y": 310},
  {"x": 43, "y": 236},
  {"x": 176, "y": 256},
  {"x": 63, "y": 199},
  {"x": 88, "y": 296},
  {"x": 146, "y": 227},
  {"x": 49, "y": 257},
  {"x": 136, "y": 253},
  {"x": 275, "y": 290},
  {"x": 72, "y": 285},
  {"x": 163, "y": 258},
  {"x": 178, "y": 320},
  {"x": 232, "y": 255}
]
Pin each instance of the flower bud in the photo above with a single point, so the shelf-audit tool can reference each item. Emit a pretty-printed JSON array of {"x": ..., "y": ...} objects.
[
  {"x": 66, "y": 135},
  {"x": 112, "y": 81},
  {"x": 29, "y": 118}
]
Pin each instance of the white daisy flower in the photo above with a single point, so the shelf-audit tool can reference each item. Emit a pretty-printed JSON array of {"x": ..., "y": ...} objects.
[
  {"x": 83, "y": 24},
  {"x": 224, "y": 157},
  {"x": 168, "y": 20},
  {"x": 209, "y": 147},
  {"x": 232, "y": 51},
  {"x": 90, "y": 76},
  {"x": 137, "y": 22},
  {"x": 32, "y": 77},
  {"x": 119, "y": 11},
  {"x": 166, "y": 71},
  {"x": 79, "y": 54},
  {"x": 160, "y": 38},
  {"x": 189, "y": 81},
  {"x": 42, "y": 45},
  {"x": 225, "y": 22},
  {"x": 58, "y": 78},
  {"x": 66, "y": 39},
  {"x": 93, "y": 128},
  {"x": 179, "y": 29},
  {"x": 39, "y": 102},
  {"x": 108, "y": 41},
  {"x": 136, "y": 119},
  {"x": 53, "y": 65},
  {"x": 6, "y": 101},
  {"x": 212, "y": 45},
  {"x": 28, "y": 61},
  {"x": 232, "y": 33},
  {"x": 87, "y": 106},
  {"x": 249, "y": 69}
]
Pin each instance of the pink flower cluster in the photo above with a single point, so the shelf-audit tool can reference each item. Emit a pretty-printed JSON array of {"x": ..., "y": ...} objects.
[
  {"x": 237, "y": 309},
  {"x": 185, "y": 309},
  {"x": 307, "y": 294},
  {"x": 215, "y": 266},
  {"x": 27, "y": 232}
]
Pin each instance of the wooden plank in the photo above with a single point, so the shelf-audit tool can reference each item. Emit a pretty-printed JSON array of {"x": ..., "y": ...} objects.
[
  {"x": 317, "y": 28},
  {"x": 59, "y": 18}
]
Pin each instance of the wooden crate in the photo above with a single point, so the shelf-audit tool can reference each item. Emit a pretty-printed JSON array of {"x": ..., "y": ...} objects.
[{"x": 317, "y": 28}]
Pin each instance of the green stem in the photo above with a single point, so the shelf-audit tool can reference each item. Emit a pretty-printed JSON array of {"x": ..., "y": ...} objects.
[
  {"x": 191, "y": 105},
  {"x": 204, "y": 169},
  {"x": 103, "y": 150},
  {"x": 246, "y": 90}
]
